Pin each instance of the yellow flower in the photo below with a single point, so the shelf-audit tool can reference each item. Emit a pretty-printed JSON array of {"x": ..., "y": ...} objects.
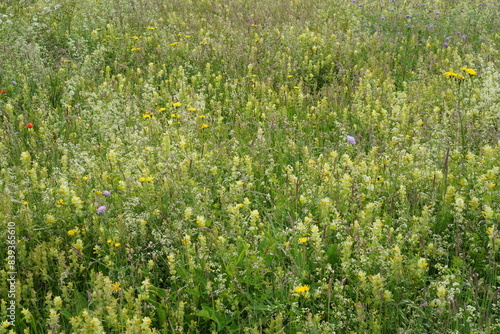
[
  {"x": 162, "y": 109},
  {"x": 174, "y": 43},
  {"x": 203, "y": 126},
  {"x": 303, "y": 240},
  {"x": 191, "y": 109},
  {"x": 135, "y": 49},
  {"x": 72, "y": 232},
  {"x": 117, "y": 244},
  {"x": 115, "y": 287},
  {"x": 136, "y": 37},
  {"x": 469, "y": 70},
  {"x": 450, "y": 74},
  {"x": 142, "y": 179},
  {"x": 176, "y": 104},
  {"x": 151, "y": 28},
  {"x": 302, "y": 289}
]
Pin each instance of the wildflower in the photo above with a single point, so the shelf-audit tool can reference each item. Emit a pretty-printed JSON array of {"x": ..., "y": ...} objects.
[
  {"x": 142, "y": 179},
  {"x": 450, "y": 75},
  {"x": 151, "y": 28},
  {"x": 117, "y": 244},
  {"x": 135, "y": 49},
  {"x": 3, "y": 91},
  {"x": 106, "y": 193},
  {"x": 431, "y": 26},
  {"x": 101, "y": 209},
  {"x": 203, "y": 126},
  {"x": 72, "y": 232},
  {"x": 176, "y": 104},
  {"x": 382, "y": 18},
  {"x": 191, "y": 109},
  {"x": 174, "y": 43},
  {"x": 469, "y": 70},
  {"x": 445, "y": 45},
  {"x": 115, "y": 287},
  {"x": 14, "y": 83},
  {"x": 351, "y": 139},
  {"x": 29, "y": 125},
  {"x": 302, "y": 289},
  {"x": 135, "y": 37},
  {"x": 447, "y": 38},
  {"x": 422, "y": 263},
  {"x": 464, "y": 37},
  {"x": 303, "y": 240},
  {"x": 162, "y": 109},
  {"x": 408, "y": 16}
]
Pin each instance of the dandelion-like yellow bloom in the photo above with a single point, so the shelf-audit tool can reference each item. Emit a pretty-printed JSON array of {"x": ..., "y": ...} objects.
[
  {"x": 469, "y": 70},
  {"x": 176, "y": 104},
  {"x": 303, "y": 240},
  {"x": 175, "y": 43},
  {"x": 450, "y": 74},
  {"x": 72, "y": 232},
  {"x": 203, "y": 126},
  {"x": 302, "y": 289}
]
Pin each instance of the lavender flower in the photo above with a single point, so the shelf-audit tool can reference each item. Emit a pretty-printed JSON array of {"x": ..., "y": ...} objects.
[
  {"x": 431, "y": 26},
  {"x": 382, "y": 18},
  {"x": 101, "y": 209},
  {"x": 351, "y": 139},
  {"x": 106, "y": 193},
  {"x": 447, "y": 39},
  {"x": 14, "y": 83},
  {"x": 445, "y": 45}
]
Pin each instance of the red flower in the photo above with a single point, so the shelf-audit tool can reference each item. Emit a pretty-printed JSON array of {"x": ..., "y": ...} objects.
[
  {"x": 29, "y": 125},
  {"x": 3, "y": 91}
]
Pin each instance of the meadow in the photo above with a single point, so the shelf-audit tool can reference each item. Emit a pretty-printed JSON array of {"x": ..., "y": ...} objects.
[{"x": 249, "y": 166}]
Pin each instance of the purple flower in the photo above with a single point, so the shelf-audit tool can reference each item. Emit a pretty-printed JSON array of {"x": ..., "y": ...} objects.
[
  {"x": 437, "y": 13},
  {"x": 408, "y": 16},
  {"x": 106, "y": 193},
  {"x": 431, "y": 26},
  {"x": 101, "y": 209},
  {"x": 445, "y": 45},
  {"x": 480, "y": 4},
  {"x": 382, "y": 18},
  {"x": 14, "y": 83},
  {"x": 351, "y": 139},
  {"x": 447, "y": 39},
  {"x": 464, "y": 36},
  {"x": 360, "y": 5}
]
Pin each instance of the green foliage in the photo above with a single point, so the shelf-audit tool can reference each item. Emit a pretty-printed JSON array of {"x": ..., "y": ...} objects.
[{"x": 184, "y": 166}]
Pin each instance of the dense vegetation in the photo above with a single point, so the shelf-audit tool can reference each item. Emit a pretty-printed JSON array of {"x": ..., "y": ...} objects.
[{"x": 266, "y": 166}]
